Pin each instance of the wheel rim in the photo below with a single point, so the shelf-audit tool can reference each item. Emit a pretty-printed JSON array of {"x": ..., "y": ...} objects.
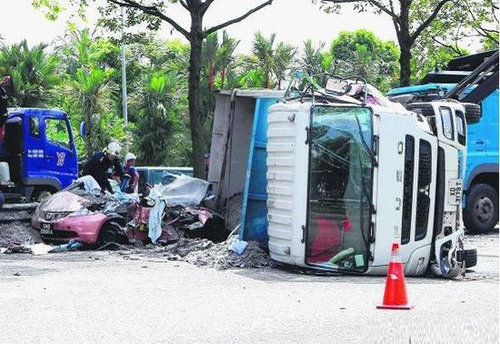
[
  {"x": 108, "y": 236},
  {"x": 484, "y": 209}
]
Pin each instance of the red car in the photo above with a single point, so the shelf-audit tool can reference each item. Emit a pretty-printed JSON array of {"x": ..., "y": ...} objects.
[{"x": 67, "y": 215}]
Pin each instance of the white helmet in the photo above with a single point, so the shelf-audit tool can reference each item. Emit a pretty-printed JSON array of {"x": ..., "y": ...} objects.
[
  {"x": 130, "y": 156},
  {"x": 114, "y": 148}
]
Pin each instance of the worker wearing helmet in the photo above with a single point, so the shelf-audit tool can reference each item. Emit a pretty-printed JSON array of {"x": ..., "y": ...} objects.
[
  {"x": 99, "y": 165},
  {"x": 130, "y": 170}
]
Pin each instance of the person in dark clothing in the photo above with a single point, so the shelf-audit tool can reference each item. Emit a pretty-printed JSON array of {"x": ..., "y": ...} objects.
[
  {"x": 99, "y": 165},
  {"x": 4, "y": 97},
  {"x": 4, "y": 103},
  {"x": 130, "y": 170}
]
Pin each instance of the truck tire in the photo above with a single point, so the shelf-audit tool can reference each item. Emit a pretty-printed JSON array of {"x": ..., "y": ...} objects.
[
  {"x": 469, "y": 256},
  {"x": 472, "y": 113},
  {"x": 481, "y": 211},
  {"x": 423, "y": 109}
]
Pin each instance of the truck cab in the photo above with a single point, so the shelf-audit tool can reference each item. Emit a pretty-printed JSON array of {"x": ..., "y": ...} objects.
[
  {"x": 472, "y": 79},
  {"x": 37, "y": 155},
  {"x": 350, "y": 175}
]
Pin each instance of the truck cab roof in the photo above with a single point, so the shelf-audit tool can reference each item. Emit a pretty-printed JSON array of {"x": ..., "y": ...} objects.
[{"x": 38, "y": 111}]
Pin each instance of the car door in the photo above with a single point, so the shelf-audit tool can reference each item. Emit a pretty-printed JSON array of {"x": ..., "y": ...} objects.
[{"x": 59, "y": 156}]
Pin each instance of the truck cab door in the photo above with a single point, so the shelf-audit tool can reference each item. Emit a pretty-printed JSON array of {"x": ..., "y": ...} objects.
[
  {"x": 59, "y": 156},
  {"x": 490, "y": 111}
]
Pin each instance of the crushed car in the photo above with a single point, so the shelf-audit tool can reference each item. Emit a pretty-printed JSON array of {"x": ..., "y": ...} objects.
[{"x": 161, "y": 215}]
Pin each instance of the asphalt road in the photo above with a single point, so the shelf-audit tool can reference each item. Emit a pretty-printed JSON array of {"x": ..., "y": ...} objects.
[{"x": 98, "y": 297}]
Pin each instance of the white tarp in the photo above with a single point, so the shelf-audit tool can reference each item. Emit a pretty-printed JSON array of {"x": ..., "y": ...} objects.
[
  {"x": 89, "y": 183},
  {"x": 184, "y": 190}
]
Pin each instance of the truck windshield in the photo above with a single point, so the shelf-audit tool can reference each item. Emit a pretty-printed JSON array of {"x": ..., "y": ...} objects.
[{"x": 340, "y": 184}]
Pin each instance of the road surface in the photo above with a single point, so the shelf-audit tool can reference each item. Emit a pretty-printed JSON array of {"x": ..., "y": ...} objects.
[{"x": 101, "y": 297}]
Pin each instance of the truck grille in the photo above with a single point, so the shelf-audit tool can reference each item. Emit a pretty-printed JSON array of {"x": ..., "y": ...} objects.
[
  {"x": 424, "y": 182},
  {"x": 408, "y": 189},
  {"x": 54, "y": 215}
]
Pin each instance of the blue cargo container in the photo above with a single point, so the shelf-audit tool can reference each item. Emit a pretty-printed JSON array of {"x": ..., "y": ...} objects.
[{"x": 238, "y": 159}]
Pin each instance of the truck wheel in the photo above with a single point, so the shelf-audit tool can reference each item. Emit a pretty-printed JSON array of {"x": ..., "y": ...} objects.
[
  {"x": 423, "y": 109},
  {"x": 469, "y": 256},
  {"x": 481, "y": 212},
  {"x": 472, "y": 113}
]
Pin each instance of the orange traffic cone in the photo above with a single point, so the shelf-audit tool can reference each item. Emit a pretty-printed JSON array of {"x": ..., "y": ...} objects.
[{"x": 395, "y": 288}]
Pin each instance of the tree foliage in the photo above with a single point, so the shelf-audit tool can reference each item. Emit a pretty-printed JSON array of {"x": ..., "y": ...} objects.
[
  {"x": 410, "y": 19},
  {"x": 33, "y": 73},
  {"x": 361, "y": 53}
]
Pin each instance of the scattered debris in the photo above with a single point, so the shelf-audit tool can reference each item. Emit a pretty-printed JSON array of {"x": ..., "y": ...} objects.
[
  {"x": 112, "y": 246},
  {"x": 40, "y": 248},
  {"x": 14, "y": 248},
  {"x": 203, "y": 252},
  {"x": 72, "y": 245},
  {"x": 238, "y": 246},
  {"x": 18, "y": 233},
  {"x": 232, "y": 210}
]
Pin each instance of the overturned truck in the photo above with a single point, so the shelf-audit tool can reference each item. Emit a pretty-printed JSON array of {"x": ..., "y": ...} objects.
[{"x": 349, "y": 172}]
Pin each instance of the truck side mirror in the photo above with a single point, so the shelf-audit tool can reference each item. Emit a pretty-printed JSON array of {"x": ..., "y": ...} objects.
[{"x": 83, "y": 128}]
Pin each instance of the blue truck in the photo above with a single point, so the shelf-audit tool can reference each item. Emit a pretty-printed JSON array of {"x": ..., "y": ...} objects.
[
  {"x": 37, "y": 154},
  {"x": 472, "y": 79}
]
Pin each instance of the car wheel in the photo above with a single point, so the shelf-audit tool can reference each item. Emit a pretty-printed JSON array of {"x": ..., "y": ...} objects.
[
  {"x": 108, "y": 234},
  {"x": 468, "y": 256},
  {"x": 481, "y": 211}
]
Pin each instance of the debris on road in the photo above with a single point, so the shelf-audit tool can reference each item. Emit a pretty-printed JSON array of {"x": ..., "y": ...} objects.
[
  {"x": 18, "y": 233},
  {"x": 203, "y": 252},
  {"x": 70, "y": 246}
]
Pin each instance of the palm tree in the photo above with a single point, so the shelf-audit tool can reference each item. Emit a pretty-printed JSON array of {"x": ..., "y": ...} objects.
[
  {"x": 33, "y": 72},
  {"x": 92, "y": 91},
  {"x": 272, "y": 59},
  {"x": 225, "y": 55},
  {"x": 264, "y": 49},
  {"x": 312, "y": 59},
  {"x": 157, "y": 106},
  {"x": 209, "y": 57},
  {"x": 282, "y": 59}
]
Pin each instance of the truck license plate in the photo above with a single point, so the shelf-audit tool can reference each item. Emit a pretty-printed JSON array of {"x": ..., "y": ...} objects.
[
  {"x": 455, "y": 191},
  {"x": 46, "y": 229}
]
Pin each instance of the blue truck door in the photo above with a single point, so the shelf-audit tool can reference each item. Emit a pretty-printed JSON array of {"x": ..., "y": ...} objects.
[
  {"x": 34, "y": 146},
  {"x": 59, "y": 156},
  {"x": 490, "y": 111}
]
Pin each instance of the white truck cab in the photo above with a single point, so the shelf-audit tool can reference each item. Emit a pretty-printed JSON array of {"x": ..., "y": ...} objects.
[{"x": 348, "y": 177}]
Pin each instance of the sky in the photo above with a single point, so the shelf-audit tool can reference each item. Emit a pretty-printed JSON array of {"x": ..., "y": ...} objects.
[{"x": 293, "y": 21}]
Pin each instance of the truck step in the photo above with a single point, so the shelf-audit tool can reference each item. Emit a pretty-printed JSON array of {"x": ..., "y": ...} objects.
[
  {"x": 18, "y": 206},
  {"x": 12, "y": 217}
]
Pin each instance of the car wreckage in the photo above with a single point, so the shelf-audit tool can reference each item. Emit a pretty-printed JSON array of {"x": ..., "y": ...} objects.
[{"x": 163, "y": 214}]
